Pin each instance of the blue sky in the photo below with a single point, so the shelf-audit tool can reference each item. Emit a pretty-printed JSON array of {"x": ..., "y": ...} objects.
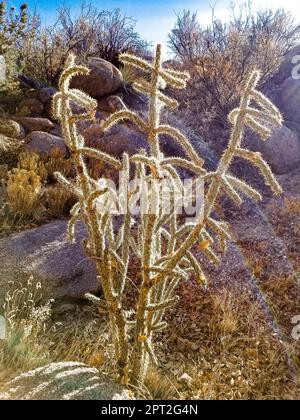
[{"x": 156, "y": 17}]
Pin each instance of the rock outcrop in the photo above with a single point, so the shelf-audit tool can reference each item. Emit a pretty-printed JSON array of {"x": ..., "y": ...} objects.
[
  {"x": 281, "y": 150},
  {"x": 45, "y": 145},
  {"x": 287, "y": 68},
  {"x": 44, "y": 252},
  {"x": 35, "y": 124},
  {"x": 289, "y": 99},
  {"x": 30, "y": 107},
  {"x": 104, "y": 79}
]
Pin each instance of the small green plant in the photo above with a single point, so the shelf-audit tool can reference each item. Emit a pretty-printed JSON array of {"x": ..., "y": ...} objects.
[
  {"x": 13, "y": 29},
  {"x": 161, "y": 240}
]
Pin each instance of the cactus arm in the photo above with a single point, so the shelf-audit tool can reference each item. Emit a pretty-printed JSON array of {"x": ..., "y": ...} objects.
[
  {"x": 97, "y": 154},
  {"x": 122, "y": 116},
  {"x": 184, "y": 164},
  {"x": 71, "y": 226},
  {"x": 182, "y": 141},
  {"x": 244, "y": 187}
]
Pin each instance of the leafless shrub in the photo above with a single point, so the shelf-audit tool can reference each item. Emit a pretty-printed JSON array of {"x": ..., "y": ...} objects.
[
  {"x": 92, "y": 32},
  {"x": 220, "y": 55}
]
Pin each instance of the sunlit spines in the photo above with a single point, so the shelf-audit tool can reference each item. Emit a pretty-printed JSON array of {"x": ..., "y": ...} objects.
[
  {"x": 162, "y": 246},
  {"x": 120, "y": 116}
]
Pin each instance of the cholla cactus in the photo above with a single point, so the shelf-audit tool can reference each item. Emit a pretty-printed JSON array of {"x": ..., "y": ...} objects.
[{"x": 161, "y": 242}]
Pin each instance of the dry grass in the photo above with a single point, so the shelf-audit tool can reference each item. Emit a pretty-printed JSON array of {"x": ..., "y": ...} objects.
[
  {"x": 28, "y": 330},
  {"x": 223, "y": 342},
  {"x": 286, "y": 221},
  {"x": 129, "y": 74},
  {"x": 10, "y": 128},
  {"x": 7, "y": 143},
  {"x": 3, "y": 173},
  {"x": 226, "y": 351},
  {"x": 58, "y": 164},
  {"x": 22, "y": 184},
  {"x": 158, "y": 386},
  {"x": 57, "y": 200}
]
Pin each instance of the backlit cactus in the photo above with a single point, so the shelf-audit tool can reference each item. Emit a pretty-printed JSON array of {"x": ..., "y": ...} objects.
[{"x": 159, "y": 239}]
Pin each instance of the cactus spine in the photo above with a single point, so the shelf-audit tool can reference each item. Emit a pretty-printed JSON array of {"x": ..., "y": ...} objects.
[{"x": 161, "y": 243}]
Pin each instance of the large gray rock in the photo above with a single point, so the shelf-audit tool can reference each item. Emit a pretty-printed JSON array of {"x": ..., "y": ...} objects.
[
  {"x": 35, "y": 124},
  {"x": 64, "y": 381},
  {"x": 44, "y": 252},
  {"x": 171, "y": 148},
  {"x": 45, "y": 145},
  {"x": 295, "y": 127},
  {"x": 57, "y": 130},
  {"x": 119, "y": 139},
  {"x": 289, "y": 99},
  {"x": 104, "y": 79},
  {"x": 30, "y": 107},
  {"x": 281, "y": 150},
  {"x": 111, "y": 104},
  {"x": 288, "y": 66},
  {"x": 126, "y": 138},
  {"x": 46, "y": 94}
]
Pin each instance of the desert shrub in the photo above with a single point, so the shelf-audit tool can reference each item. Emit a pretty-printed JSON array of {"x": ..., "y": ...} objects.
[
  {"x": 160, "y": 240},
  {"x": 10, "y": 128},
  {"x": 30, "y": 191},
  {"x": 12, "y": 26},
  {"x": 31, "y": 162},
  {"x": 45, "y": 169},
  {"x": 221, "y": 55},
  {"x": 92, "y": 32},
  {"x": 23, "y": 189},
  {"x": 44, "y": 56}
]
